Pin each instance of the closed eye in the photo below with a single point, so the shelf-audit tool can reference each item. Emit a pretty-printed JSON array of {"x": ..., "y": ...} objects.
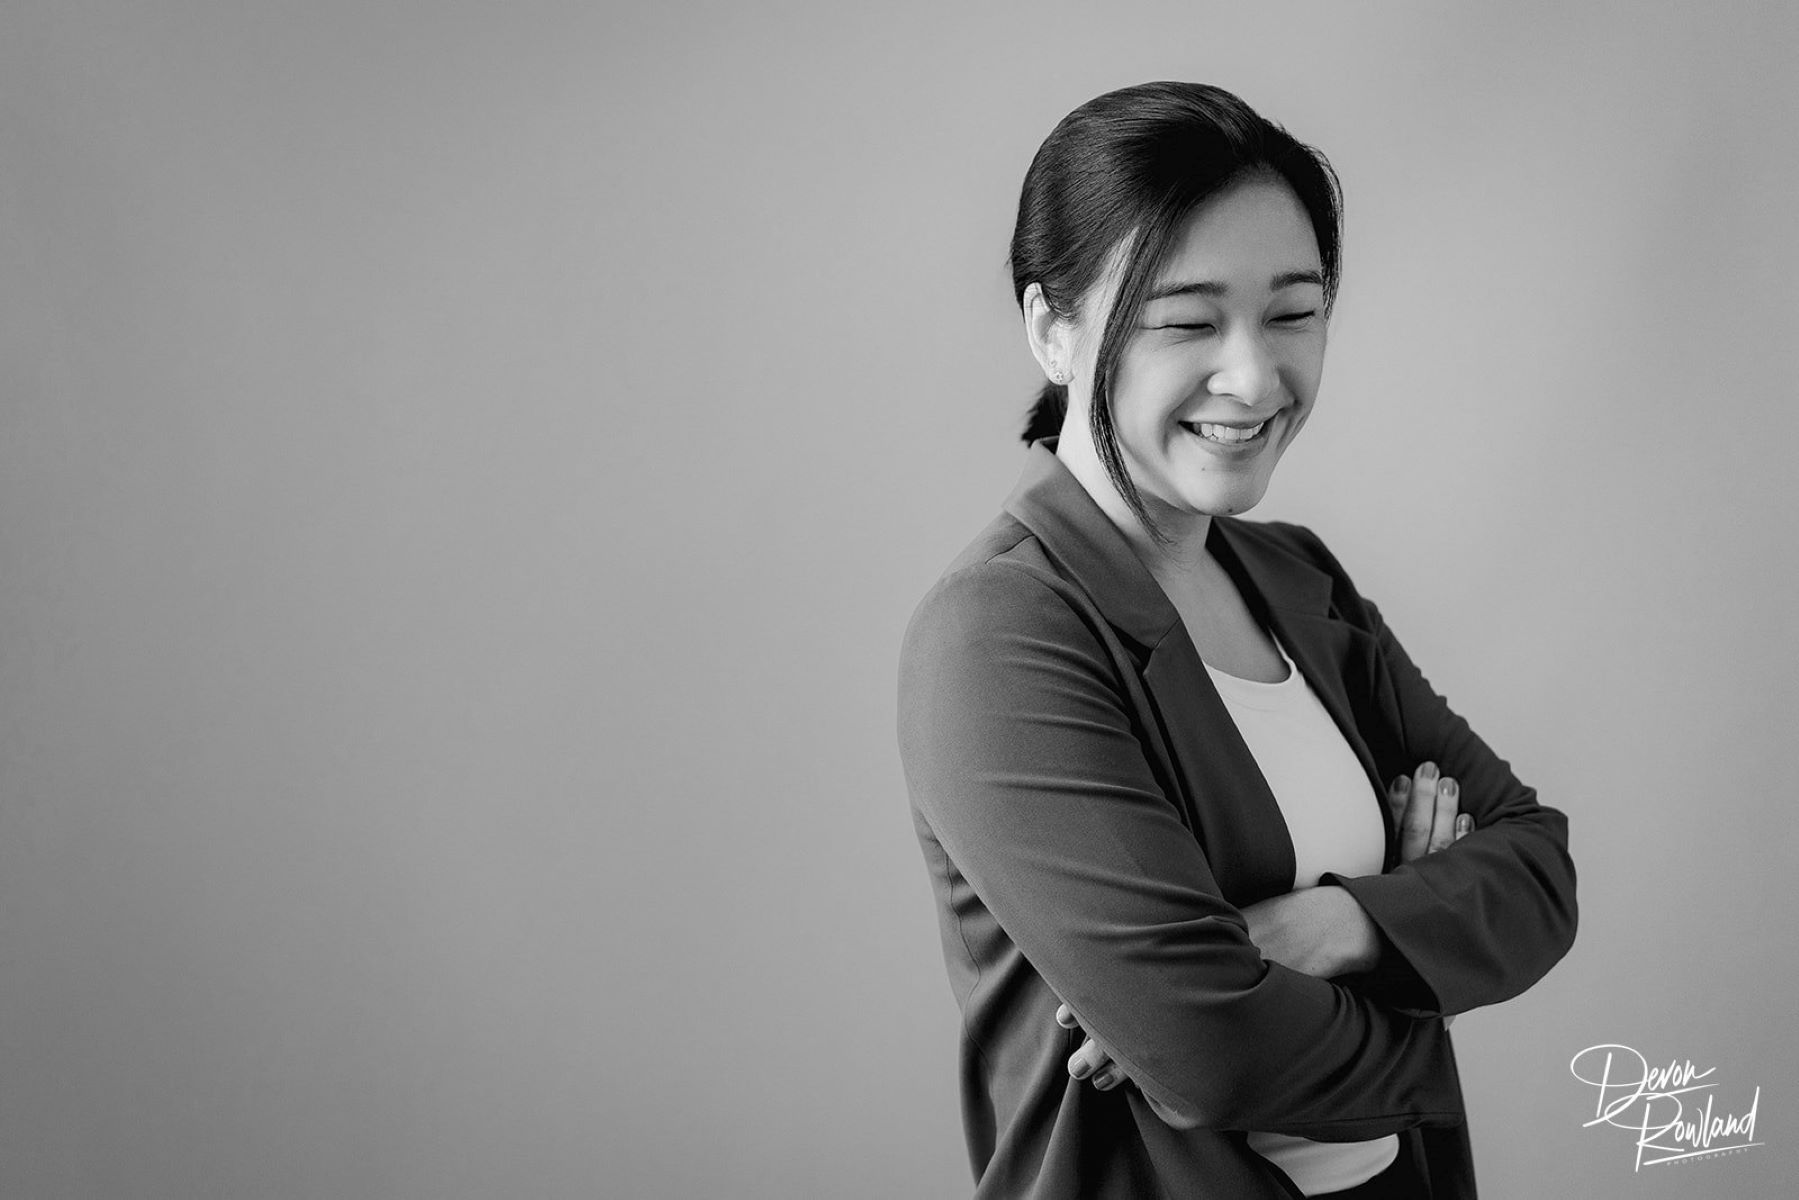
[{"x": 1296, "y": 318}]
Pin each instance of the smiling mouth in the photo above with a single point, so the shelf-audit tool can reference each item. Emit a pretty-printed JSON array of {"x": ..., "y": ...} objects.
[{"x": 1225, "y": 435}]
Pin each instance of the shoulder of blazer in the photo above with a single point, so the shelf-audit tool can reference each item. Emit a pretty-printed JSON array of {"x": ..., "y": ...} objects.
[
  {"x": 1010, "y": 558},
  {"x": 1006, "y": 583}
]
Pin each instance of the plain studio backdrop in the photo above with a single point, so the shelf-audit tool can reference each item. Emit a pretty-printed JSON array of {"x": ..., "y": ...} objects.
[{"x": 465, "y": 470}]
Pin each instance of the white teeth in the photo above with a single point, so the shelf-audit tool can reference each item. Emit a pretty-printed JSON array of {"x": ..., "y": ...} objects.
[{"x": 1227, "y": 433}]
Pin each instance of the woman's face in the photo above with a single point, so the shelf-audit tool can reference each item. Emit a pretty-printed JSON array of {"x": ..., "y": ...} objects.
[{"x": 1223, "y": 366}]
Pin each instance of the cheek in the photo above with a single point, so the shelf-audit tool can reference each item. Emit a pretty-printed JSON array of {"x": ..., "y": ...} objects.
[
  {"x": 1309, "y": 367},
  {"x": 1150, "y": 395},
  {"x": 1302, "y": 379},
  {"x": 1299, "y": 423},
  {"x": 1139, "y": 408}
]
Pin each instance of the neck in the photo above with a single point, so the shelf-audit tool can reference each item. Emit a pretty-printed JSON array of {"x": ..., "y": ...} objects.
[{"x": 1180, "y": 558}]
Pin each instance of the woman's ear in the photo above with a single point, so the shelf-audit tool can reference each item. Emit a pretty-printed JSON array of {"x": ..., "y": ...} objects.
[{"x": 1050, "y": 336}]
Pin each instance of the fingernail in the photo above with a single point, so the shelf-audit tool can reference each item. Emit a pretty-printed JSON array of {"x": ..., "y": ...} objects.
[
  {"x": 1402, "y": 784},
  {"x": 1080, "y": 1068},
  {"x": 1464, "y": 823},
  {"x": 1103, "y": 1079},
  {"x": 1448, "y": 786},
  {"x": 1428, "y": 770}
]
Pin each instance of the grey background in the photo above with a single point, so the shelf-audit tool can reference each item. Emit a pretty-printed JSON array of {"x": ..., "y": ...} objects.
[{"x": 465, "y": 468}]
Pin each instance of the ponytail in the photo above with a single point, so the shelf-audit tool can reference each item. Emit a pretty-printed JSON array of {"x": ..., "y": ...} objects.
[{"x": 1046, "y": 415}]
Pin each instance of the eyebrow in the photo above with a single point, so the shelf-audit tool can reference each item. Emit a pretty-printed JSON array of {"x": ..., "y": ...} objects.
[{"x": 1209, "y": 287}]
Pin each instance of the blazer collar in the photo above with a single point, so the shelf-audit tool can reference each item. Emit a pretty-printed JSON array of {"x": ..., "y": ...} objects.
[
  {"x": 1255, "y": 852},
  {"x": 1074, "y": 530}
]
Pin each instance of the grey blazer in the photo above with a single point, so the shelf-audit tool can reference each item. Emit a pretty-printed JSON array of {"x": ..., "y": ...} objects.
[{"x": 1092, "y": 823}]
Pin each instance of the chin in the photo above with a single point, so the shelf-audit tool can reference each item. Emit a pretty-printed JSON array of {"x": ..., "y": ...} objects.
[{"x": 1228, "y": 505}]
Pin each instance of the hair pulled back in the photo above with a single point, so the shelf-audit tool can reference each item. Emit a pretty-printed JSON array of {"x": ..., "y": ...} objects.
[{"x": 1128, "y": 168}]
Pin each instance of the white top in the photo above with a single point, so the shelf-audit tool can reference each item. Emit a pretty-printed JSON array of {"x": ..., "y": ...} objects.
[{"x": 1325, "y": 798}]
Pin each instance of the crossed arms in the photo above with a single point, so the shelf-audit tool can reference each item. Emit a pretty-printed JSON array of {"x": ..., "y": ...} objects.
[{"x": 1020, "y": 755}]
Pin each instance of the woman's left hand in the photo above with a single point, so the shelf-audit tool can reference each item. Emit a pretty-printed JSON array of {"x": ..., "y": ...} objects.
[
  {"x": 1090, "y": 1062},
  {"x": 1320, "y": 930}
]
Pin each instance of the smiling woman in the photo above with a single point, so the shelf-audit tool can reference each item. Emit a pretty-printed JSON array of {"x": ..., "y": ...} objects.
[
  {"x": 1252, "y": 341},
  {"x": 1200, "y": 947}
]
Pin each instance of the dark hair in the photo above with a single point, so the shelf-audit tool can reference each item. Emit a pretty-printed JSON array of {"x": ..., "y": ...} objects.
[{"x": 1138, "y": 161}]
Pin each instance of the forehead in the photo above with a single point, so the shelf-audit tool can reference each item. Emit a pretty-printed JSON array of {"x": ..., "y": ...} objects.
[
  {"x": 1242, "y": 237},
  {"x": 1251, "y": 231}
]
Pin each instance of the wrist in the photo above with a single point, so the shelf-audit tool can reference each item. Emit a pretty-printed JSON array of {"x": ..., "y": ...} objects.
[{"x": 1357, "y": 940}]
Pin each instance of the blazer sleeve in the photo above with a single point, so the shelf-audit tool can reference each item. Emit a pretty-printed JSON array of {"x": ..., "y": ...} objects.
[
  {"x": 1019, "y": 752},
  {"x": 1480, "y": 920}
]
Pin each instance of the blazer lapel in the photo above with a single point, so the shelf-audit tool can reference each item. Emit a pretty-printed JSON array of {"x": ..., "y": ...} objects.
[
  {"x": 1337, "y": 659},
  {"x": 1225, "y": 798}
]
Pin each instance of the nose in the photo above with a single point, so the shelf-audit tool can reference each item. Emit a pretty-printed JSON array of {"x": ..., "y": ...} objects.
[{"x": 1246, "y": 369}]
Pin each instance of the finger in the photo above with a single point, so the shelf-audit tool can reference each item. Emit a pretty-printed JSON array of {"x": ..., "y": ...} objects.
[
  {"x": 1088, "y": 1060},
  {"x": 1108, "y": 1077},
  {"x": 1464, "y": 825},
  {"x": 1065, "y": 1017},
  {"x": 1442, "y": 826},
  {"x": 1397, "y": 793},
  {"x": 1421, "y": 808}
]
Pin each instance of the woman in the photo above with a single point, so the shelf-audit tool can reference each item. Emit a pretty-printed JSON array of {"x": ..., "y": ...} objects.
[{"x": 1197, "y": 951}]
